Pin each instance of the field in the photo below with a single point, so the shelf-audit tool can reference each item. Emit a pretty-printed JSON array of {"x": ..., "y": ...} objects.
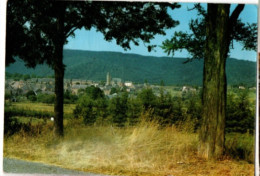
[
  {"x": 143, "y": 149},
  {"x": 68, "y": 108}
]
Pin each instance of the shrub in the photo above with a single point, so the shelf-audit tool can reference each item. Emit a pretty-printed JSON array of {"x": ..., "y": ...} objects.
[
  {"x": 11, "y": 124},
  {"x": 118, "y": 108},
  {"x": 240, "y": 146},
  {"x": 69, "y": 98},
  {"x": 240, "y": 117},
  {"x": 46, "y": 98},
  {"x": 90, "y": 109},
  {"x": 147, "y": 98}
]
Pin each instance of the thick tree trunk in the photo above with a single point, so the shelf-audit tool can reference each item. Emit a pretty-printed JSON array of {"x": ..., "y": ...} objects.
[
  {"x": 59, "y": 70},
  {"x": 212, "y": 134}
]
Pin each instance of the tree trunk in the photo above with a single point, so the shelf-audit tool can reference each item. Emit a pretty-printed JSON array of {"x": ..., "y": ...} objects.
[
  {"x": 212, "y": 134},
  {"x": 59, "y": 70}
]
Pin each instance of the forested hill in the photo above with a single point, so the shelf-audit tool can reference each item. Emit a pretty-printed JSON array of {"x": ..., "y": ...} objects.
[{"x": 94, "y": 65}]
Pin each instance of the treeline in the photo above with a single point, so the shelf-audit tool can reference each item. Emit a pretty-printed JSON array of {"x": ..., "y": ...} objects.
[
  {"x": 19, "y": 76},
  {"x": 94, "y": 65},
  {"x": 125, "y": 109},
  {"x": 69, "y": 98},
  {"x": 185, "y": 111}
]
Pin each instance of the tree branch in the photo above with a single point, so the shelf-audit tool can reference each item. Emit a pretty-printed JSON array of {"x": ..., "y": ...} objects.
[
  {"x": 235, "y": 14},
  {"x": 70, "y": 32}
]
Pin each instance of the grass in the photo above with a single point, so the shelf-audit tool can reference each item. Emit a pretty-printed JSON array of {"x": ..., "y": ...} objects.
[
  {"x": 68, "y": 108},
  {"x": 42, "y": 107},
  {"x": 145, "y": 149}
]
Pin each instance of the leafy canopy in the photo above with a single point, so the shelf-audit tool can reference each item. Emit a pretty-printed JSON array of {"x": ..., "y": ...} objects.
[
  {"x": 32, "y": 25},
  {"x": 194, "y": 41}
]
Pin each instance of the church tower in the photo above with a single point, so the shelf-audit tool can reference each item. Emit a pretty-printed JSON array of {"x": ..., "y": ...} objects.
[{"x": 108, "y": 79}]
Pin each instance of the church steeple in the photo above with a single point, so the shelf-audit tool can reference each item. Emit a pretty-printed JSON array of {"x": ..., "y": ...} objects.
[{"x": 108, "y": 79}]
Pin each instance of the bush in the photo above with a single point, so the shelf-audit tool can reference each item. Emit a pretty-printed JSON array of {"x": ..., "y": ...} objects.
[
  {"x": 118, "y": 108},
  {"x": 11, "y": 124},
  {"x": 240, "y": 117},
  {"x": 69, "y": 98},
  {"x": 46, "y": 98},
  {"x": 147, "y": 98},
  {"x": 240, "y": 146},
  {"x": 90, "y": 109},
  {"x": 31, "y": 95}
]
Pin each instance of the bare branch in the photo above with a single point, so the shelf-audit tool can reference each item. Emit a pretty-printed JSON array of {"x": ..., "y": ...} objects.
[
  {"x": 235, "y": 14},
  {"x": 70, "y": 32}
]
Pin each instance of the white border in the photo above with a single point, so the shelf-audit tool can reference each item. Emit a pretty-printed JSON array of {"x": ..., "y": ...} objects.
[
  {"x": 257, "y": 100},
  {"x": 2, "y": 75},
  {"x": 193, "y": 1},
  {"x": 2, "y": 69}
]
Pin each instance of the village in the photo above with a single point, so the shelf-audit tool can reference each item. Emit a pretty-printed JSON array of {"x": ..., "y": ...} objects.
[{"x": 110, "y": 88}]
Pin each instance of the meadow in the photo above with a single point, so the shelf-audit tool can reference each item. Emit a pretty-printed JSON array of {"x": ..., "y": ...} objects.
[{"x": 147, "y": 147}]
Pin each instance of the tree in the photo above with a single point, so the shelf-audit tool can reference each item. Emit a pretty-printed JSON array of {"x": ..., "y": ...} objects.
[
  {"x": 211, "y": 39},
  {"x": 240, "y": 117},
  {"x": 31, "y": 95},
  {"x": 118, "y": 109},
  {"x": 38, "y": 30},
  {"x": 147, "y": 98},
  {"x": 94, "y": 92},
  {"x": 91, "y": 106}
]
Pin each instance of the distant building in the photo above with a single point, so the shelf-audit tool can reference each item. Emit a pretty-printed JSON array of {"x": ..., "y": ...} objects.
[
  {"x": 128, "y": 84},
  {"x": 108, "y": 79},
  {"x": 76, "y": 88},
  {"x": 188, "y": 89},
  {"x": 107, "y": 91},
  {"x": 117, "y": 81},
  {"x": 241, "y": 87}
]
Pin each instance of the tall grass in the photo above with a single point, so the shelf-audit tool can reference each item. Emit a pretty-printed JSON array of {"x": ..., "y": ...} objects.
[
  {"x": 144, "y": 149},
  {"x": 37, "y": 110}
]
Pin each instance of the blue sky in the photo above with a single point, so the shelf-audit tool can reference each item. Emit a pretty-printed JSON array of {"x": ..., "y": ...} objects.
[{"x": 92, "y": 40}]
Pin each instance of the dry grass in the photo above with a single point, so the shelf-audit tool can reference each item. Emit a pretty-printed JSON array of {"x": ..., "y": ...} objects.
[{"x": 145, "y": 149}]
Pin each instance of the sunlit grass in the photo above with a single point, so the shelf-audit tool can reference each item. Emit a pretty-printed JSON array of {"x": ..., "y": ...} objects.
[
  {"x": 146, "y": 149},
  {"x": 68, "y": 108}
]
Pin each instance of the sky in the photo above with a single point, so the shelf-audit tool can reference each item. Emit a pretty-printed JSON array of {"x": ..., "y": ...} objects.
[{"x": 94, "y": 41}]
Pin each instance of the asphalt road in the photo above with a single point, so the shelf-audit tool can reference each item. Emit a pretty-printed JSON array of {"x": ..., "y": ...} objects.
[{"x": 15, "y": 166}]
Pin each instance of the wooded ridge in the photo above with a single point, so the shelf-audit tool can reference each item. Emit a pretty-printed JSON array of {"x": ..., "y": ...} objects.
[{"x": 94, "y": 65}]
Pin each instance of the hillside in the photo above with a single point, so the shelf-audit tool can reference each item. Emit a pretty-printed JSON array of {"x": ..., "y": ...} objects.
[{"x": 94, "y": 65}]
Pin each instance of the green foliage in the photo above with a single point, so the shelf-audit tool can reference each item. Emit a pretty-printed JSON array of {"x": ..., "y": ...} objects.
[
  {"x": 147, "y": 98},
  {"x": 240, "y": 146},
  {"x": 86, "y": 109},
  {"x": 91, "y": 106},
  {"x": 134, "y": 110},
  {"x": 118, "y": 108},
  {"x": 240, "y": 116},
  {"x": 113, "y": 90},
  {"x": 69, "y": 98},
  {"x": 164, "y": 108},
  {"x": 194, "y": 41},
  {"x": 11, "y": 124},
  {"x": 185, "y": 111},
  {"x": 8, "y": 96},
  {"x": 46, "y": 98},
  {"x": 94, "y": 92},
  {"x": 123, "y": 21},
  {"x": 31, "y": 95},
  {"x": 12, "y": 112},
  {"x": 91, "y": 65}
]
